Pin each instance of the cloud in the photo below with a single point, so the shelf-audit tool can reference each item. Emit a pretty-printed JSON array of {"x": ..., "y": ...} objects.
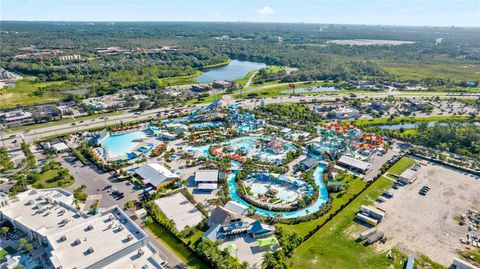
[{"x": 265, "y": 10}]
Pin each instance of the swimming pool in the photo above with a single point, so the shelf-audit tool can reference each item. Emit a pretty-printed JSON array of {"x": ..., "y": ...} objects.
[{"x": 119, "y": 145}]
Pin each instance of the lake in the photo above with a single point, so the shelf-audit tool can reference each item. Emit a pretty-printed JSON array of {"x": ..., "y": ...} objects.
[{"x": 233, "y": 71}]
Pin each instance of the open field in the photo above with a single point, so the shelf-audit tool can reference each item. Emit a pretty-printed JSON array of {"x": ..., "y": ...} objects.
[
  {"x": 402, "y": 165},
  {"x": 329, "y": 247},
  {"x": 177, "y": 247},
  {"x": 397, "y": 120},
  {"x": 421, "y": 71},
  {"x": 426, "y": 224},
  {"x": 50, "y": 179},
  {"x": 172, "y": 81},
  {"x": 22, "y": 94}
]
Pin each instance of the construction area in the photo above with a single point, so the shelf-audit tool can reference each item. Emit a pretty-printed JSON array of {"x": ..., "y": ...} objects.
[{"x": 429, "y": 223}]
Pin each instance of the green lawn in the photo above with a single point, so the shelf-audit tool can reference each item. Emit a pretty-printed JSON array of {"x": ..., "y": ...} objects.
[
  {"x": 401, "y": 165},
  {"x": 408, "y": 71},
  {"x": 397, "y": 120},
  {"x": 304, "y": 228},
  {"x": 182, "y": 80},
  {"x": 176, "y": 246},
  {"x": 330, "y": 247},
  {"x": 22, "y": 93},
  {"x": 50, "y": 179}
]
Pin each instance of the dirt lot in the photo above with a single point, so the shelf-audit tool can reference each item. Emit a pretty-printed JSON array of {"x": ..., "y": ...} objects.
[{"x": 425, "y": 224}]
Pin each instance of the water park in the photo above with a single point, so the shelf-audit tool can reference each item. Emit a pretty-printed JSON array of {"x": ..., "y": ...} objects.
[
  {"x": 276, "y": 190},
  {"x": 336, "y": 140}
]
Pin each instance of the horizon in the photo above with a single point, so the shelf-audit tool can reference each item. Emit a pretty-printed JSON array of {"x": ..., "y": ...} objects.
[{"x": 421, "y": 13}]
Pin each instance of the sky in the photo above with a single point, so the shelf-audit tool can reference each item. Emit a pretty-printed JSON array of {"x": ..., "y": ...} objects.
[{"x": 374, "y": 12}]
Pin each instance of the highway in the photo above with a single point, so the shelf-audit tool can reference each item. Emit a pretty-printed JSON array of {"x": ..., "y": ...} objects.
[{"x": 227, "y": 99}]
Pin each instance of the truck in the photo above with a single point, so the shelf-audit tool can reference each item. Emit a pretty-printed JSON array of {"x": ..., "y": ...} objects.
[
  {"x": 366, "y": 219},
  {"x": 372, "y": 212},
  {"x": 364, "y": 235},
  {"x": 374, "y": 238}
]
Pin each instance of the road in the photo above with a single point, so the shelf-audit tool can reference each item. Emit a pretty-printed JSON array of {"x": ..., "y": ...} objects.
[{"x": 227, "y": 99}]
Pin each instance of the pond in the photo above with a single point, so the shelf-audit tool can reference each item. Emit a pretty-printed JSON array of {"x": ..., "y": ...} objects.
[
  {"x": 233, "y": 71},
  {"x": 311, "y": 89}
]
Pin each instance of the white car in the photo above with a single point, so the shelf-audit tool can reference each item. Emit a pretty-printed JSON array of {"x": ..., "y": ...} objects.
[{"x": 164, "y": 263}]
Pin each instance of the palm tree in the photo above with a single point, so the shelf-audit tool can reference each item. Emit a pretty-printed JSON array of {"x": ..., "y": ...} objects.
[
  {"x": 269, "y": 260},
  {"x": 5, "y": 230}
]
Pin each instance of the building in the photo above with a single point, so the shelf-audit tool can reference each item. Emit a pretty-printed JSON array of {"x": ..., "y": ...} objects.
[
  {"x": 201, "y": 88},
  {"x": 237, "y": 208},
  {"x": 16, "y": 118},
  {"x": 307, "y": 164},
  {"x": 417, "y": 104},
  {"x": 206, "y": 179},
  {"x": 71, "y": 239},
  {"x": 60, "y": 147},
  {"x": 380, "y": 106},
  {"x": 408, "y": 176},
  {"x": 156, "y": 175},
  {"x": 354, "y": 164},
  {"x": 180, "y": 210},
  {"x": 345, "y": 113},
  {"x": 327, "y": 106},
  {"x": 224, "y": 85},
  {"x": 71, "y": 57},
  {"x": 224, "y": 223},
  {"x": 46, "y": 113}
]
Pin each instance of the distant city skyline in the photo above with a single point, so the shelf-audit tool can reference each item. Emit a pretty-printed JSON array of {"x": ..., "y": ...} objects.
[{"x": 373, "y": 12}]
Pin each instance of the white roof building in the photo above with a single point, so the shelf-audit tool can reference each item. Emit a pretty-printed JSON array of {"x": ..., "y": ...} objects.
[
  {"x": 236, "y": 207},
  {"x": 354, "y": 164},
  {"x": 207, "y": 179},
  {"x": 155, "y": 174},
  {"x": 408, "y": 176},
  {"x": 75, "y": 240}
]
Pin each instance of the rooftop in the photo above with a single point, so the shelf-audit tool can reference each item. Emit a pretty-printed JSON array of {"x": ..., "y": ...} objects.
[
  {"x": 155, "y": 173},
  {"x": 177, "y": 208},
  {"x": 206, "y": 176},
  {"x": 354, "y": 163}
]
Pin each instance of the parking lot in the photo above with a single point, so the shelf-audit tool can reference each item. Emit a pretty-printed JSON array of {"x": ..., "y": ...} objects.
[
  {"x": 425, "y": 223},
  {"x": 96, "y": 180}
]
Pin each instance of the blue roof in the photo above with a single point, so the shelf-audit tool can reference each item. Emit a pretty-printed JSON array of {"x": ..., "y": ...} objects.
[
  {"x": 213, "y": 233},
  {"x": 309, "y": 162},
  {"x": 258, "y": 228}
]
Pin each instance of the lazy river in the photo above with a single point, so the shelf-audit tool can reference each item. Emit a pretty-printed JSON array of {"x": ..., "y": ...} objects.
[{"x": 232, "y": 187}]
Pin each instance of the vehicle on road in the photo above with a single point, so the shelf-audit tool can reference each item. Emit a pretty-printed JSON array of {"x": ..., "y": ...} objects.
[{"x": 164, "y": 263}]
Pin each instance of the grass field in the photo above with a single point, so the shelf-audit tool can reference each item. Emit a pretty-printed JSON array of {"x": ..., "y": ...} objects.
[
  {"x": 275, "y": 89},
  {"x": 421, "y": 71},
  {"x": 177, "y": 247},
  {"x": 331, "y": 248},
  {"x": 182, "y": 80},
  {"x": 397, "y": 120},
  {"x": 22, "y": 94},
  {"x": 50, "y": 179},
  {"x": 402, "y": 165}
]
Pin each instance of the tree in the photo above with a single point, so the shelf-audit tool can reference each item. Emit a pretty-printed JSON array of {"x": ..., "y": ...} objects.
[{"x": 4, "y": 230}]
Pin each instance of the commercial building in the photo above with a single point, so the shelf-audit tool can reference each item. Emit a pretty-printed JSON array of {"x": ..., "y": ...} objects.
[
  {"x": 345, "y": 113},
  {"x": 408, "y": 176},
  {"x": 354, "y": 164},
  {"x": 16, "y": 118},
  {"x": 224, "y": 223},
  {"x": 237, "y": 208},
  {"x": 179, "y": 209},
  {"x": 156, "y": 175},
  {"x": 71, "y": 239},
  {"x": 206, "y": 179}
]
